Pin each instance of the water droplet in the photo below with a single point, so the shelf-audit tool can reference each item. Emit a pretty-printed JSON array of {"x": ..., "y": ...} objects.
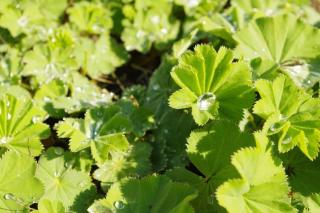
[
  {"x": 8, "y": 103},
  {"x": 205, "y": 101},
  {"x": 82, "y": 184},
  {"x": 4, "y": 140},
  {"x": 155, "y": 19},
  {"x": 155, "y": 87},
  {"x": 286, "y": 140},
  {"x": 192, "y": 3},
  {"x": 211, "y": 199},
  {"x": 78, "y": 89},
  {"x": 269, "y": 12},
  {"x": 119, "y": 204},
  {"x": 58, "y": 151},
  {"x": 36, "y": 119},
  {"x": 68, "y": 165},
  {"x": 56, "y": 174},
  {"x": 140, "y": 34},
  {"x": 22, "y": 21},
  {"x": 9, "y": 116},
  {"x": 164, "y": 30},
  {"x": 9, "y": 196},
  {"x": 46, "y": 99},
  {"x": 166, "y": 131}
]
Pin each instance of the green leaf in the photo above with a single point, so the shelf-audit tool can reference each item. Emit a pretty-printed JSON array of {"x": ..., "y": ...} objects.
[
  {"x": 153, "y": 23},
  {"x": 291, "y": 114},
  {"x": 260, "y": 189},
  {"x": 159, "y": 194},
  {"x": 302, "y": 173},
  {"x": 278, "y": 40},
  {"x": 102, "y": 129},
  {"x": 47, "y": 93},
  {"x": 201, "y": 7},
  {"x": 212, "y": 85},
  {"x": 21, "y": 127},
  {"x": 210, "y": 149},
  {"x": 92, "y": 55},
  {"x": 52, "y": 60},
  {"x": 83, "y": 95},
  {"x": 90, "y": 17},
  {"x": 134, "y": 162},
  {"x": 61, "y": 183},
  {"x": 18, "y": 186},
  {"x": 50, "y": 206}
]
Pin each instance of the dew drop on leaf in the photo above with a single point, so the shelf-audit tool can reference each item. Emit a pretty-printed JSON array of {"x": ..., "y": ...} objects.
[
  {"x": 155, "y": 87},
  {"x": 82, "y": 184},
  {"x": 56, "y": 174},
  {"x": 9, "y": 196},
  {"x": 36, "y": 119},
  {"x": 58, "y": 151},
  {"x": 192, "y": 3},
  {"x": 164, "y": 31},
  {"x": 140, "y": 33},
  {"x": 205, "y": 101},
  {"x": 4, "y": 140},
  {"x": 118, "y": 204},
  {"x": 9, "y": 116},
  {"x": 286, "y": 140},
  {"x": 211, "y": 199},
  {"x": 67, "y": 165}
]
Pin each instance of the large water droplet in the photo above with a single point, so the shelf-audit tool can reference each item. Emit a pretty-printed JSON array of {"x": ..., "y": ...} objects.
[
  {"x": 286, "y": 140},
  {"x": 118, "y": 204},
  {"x": 9, "y": 196},
  {"x": 205, "y": 101}
]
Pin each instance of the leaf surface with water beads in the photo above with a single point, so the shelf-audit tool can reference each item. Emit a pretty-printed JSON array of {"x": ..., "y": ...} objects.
[
  {"x": 260, "y": 188},
  {"x": 153, "y": 22},
  {"x": 18, "y": 186},
  {"x": 212, "y": 85},
  {"x": 21, "y": 127},
  {"x": 149, "y": 194},
  {"x": 291, "y": 114},
  {"x": 61, "y": 182},
  {"x": 277, "y": 41},
  {"x": 102, "y": 129},
  {"x": 134, "y": 162},
  {"x": 51, "y": 60}
]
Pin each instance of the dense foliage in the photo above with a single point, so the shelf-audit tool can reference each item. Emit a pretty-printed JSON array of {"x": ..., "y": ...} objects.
[{"x": 159, "y": 106}]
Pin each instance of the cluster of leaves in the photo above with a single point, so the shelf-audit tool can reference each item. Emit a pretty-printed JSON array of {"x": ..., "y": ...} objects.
[{"x": 229, "y": 120}]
